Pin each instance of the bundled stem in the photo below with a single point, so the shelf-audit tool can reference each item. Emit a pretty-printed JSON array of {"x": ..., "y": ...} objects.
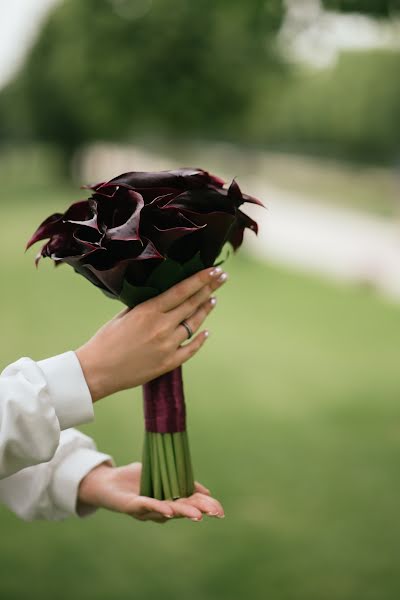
[{"x": 167, "y": 469}]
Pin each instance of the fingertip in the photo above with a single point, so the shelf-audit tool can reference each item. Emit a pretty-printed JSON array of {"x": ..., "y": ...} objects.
[
  {"x": 222, "y": 278},
  {"x": 200, "y": 339},
  {"x": 202, "y": 488},
  {"x": 215, "y": 272},
  {"x": 186, "y": 510},
  {"x": 196, "y": 515},
  {"x": 218, "y": 511}
]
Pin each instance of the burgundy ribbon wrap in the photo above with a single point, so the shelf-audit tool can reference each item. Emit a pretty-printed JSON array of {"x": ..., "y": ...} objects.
[{"x": 164, "y": 403}]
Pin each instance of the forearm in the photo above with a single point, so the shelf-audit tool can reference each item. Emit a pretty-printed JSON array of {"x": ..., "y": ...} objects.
[
  {"x": 37, "y": 402},
  {"x": 50, "y": 490}
]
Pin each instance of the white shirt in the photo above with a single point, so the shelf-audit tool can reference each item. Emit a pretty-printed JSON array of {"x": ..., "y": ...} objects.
[{"x": 41, "y": 465}]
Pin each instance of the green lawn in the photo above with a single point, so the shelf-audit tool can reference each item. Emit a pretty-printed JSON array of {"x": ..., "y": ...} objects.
[{"x": 294, "y": 415}]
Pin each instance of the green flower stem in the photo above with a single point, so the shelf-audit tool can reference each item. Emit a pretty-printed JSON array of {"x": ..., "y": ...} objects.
[
  {"x": 155, "y": 469},
  {"x": 188, "y": 465},
  {"x": 179, "y": 453},
  {"x": 171, "y": 466},
  {"x": 167, "y": 495},
  {"x": 145, "y": 482},
  {"x": 167, "y": 469}
]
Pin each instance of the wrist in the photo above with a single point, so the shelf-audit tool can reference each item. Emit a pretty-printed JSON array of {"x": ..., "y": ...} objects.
[
  {"x": 93, "y": 483},
  {"x": 95, "y": 374}
]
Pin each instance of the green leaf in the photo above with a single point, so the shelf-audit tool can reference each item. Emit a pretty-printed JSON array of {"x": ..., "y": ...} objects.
[
  {"x": 132, "y": 295},
  {"x": 193, "y": 265},
  {"x": 165, "y": 275},
  {"x": 108, "y": 294}
]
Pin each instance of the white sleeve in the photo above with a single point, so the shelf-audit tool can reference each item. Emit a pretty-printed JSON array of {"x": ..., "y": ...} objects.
[
  {"x": 37, "y": 401},
  {"x": 50, "y": 490}
]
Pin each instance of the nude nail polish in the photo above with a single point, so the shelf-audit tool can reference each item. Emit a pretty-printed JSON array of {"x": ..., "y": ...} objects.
[
  {"x": 222, "y": 278},
  {"x": 215, "y": 271}
]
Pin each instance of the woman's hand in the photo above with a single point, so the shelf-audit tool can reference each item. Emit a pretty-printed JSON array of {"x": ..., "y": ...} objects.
[
  {"x": 117, "y": 489},
  {"x": 140, "y": 344}
]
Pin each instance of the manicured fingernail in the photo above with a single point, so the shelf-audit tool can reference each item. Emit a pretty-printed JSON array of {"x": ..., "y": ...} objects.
[
  {"x": 169, "y": 516},
  {"x": 206, "y": 333},
  {"x": 223, "y": 277},
  {"x": 215, "y": 271},
  {"x": 221, "y": 516},
  {"x": 210, "y": 514},
  {"x": 213, "y": 300},
  {"x": 196, "y": 519}
]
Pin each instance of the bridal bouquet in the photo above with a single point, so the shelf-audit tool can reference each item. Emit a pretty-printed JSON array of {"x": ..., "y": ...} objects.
[{"x": 137, "y": 235}]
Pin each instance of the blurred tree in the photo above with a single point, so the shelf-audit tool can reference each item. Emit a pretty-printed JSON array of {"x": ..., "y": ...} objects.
[
  {"x": 351, "y": 109},
  {"x": 113, "y": 68},
  {"x": 376, "y": 8}
]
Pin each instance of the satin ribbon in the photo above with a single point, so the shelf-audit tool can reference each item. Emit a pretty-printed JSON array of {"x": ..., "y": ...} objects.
[{"x": 164, "y": 403}]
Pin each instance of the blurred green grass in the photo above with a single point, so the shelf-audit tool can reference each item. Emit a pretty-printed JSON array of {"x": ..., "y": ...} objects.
[{"x": 294, "y": 419}]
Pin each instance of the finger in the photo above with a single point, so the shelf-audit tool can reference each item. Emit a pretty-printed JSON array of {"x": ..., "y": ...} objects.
[
  {"x": 180, "y": 334},
  {"x": 183, "y": 508},
  {"x": 155, "y": 517},
  {"x": 141, "y": 505},
  {"x": 199, "y": 487},
  {"x": 207, "y": 505},
  {"x": 187, "y": 351},
  {"x": 186, "y": 288},
  {"x": 187, "y": 308}
]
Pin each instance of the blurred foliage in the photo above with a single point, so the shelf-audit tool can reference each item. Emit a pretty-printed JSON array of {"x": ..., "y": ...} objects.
[
  {"x": 376, "y": 8},
  {"x": 110, "y": 69},
  {"x": 351, "y": 109},
  {"x": 126, "y": 69}
]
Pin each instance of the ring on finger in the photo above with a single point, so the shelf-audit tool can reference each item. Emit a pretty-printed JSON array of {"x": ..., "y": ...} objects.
[{"x": 188, "y": 328}]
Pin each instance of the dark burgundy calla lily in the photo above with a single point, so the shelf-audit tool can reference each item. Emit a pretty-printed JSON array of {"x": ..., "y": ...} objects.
[{"x": 136, "y": 221}]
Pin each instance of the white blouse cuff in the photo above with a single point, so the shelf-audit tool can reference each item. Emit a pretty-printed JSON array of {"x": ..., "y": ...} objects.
[
  {"x": 68, "y": 390},
  {"x": 69, "y": 474}
]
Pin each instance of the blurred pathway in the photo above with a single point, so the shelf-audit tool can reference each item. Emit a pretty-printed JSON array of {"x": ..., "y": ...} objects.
[{"x": 328, "y": 240}]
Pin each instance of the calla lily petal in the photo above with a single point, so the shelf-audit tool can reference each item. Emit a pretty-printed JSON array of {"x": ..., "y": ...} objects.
[
  {"x": 48, "y": 228},
  {"x": 130, "y": 229},
  {"x": 185, "y": 178}
]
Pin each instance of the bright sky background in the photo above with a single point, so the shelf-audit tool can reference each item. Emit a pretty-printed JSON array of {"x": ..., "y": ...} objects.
[
  {"x": 311, "y": 35},
  {"x": 19, "y": 24}
]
